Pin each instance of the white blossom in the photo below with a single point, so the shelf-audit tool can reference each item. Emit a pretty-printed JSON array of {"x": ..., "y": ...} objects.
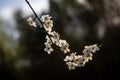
[
  {"x": 91, "y": 48},
  {"x": 31, "y": 22},
  {"x": 88, "y": 56},
  {"x": 87, "y": 52},
  {"x": 47, "y": 22},
  {"x": 48, "y": 48},
  {"x": 54, "y": 37},
  {"x": 48, "y": 26},
  {"x": 81, "y": 61},
  {"x": 94, "y": 48},
  {"x": 48, "y": 40},
  {"x": 71, "y": 61},
  {"x": 64, "y": 46},
  {"x": 71, "y": 65},
  {"x": 45, "y": 18}
]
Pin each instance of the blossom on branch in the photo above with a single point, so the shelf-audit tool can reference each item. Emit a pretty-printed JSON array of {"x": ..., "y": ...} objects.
[
  {"x": 72, "y": 60},
  {"x": 55, "y": 37},
  {"x": 64, "y": 46},
  {"x": 31, "y": 22},
  {"x": 47, "y": 22},
  {"x": 48, "y": 48},
  {"x": 87, "y": 52}
]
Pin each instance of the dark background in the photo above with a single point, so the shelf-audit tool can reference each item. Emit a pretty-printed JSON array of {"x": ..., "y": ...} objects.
[{"x": 96, "y": 21}]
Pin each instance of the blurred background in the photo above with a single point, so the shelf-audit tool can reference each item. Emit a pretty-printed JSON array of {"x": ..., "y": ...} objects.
[{"x": 80, "y": 22}]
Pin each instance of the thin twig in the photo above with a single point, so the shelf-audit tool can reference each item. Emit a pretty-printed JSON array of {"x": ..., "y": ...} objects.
[{"x": 33, "y": 11}]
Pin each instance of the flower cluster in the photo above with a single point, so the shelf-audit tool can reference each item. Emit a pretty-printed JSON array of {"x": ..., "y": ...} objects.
[
  {"x": 48, "y": 48},
  {"x": 74, "y": 60},
  {"x": 53, "y": 38},
  {"x": 89, "y": 50}
]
